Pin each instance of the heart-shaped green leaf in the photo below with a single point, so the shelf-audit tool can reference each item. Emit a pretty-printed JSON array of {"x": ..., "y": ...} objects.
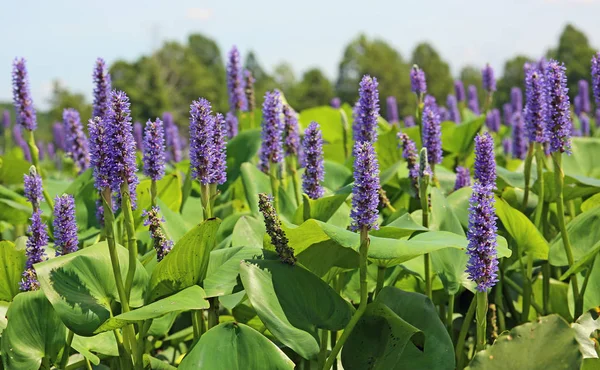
[
  {"x": 583, "y": 233},
  {"x": 12, "y": 265},
  {"x": 102, "y": 344}
]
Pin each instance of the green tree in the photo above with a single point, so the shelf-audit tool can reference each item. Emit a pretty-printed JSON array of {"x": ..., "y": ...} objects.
[
  {"x": 313, "y": 90},
  {"x": 61, "y": 99},
  {"x": 437, "y": 71},
  {"x": 513, "y": 75}
]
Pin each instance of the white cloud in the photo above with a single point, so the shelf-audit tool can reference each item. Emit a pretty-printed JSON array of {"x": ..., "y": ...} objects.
[{"x": 201, "y": 14}]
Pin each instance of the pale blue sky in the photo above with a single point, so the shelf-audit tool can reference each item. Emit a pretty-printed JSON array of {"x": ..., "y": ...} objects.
[{"x": 62, "y": 38}]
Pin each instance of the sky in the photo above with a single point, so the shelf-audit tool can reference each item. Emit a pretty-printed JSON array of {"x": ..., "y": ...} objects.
[{"x": 62, "y": 38}]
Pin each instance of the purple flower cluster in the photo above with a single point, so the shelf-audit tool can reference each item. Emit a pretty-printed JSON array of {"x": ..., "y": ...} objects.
[
  {"x": 487, "y": 79},
  {"x": 444, "y": 115},
  {"x": 58, "y": 132},
  {"x": 507, "y": 146},
  {"x": 249, "y": 91},
  {"x": 492, "y": 120},
  {"x": 485, "y": 165},
  {"x": 138, "y": 135},
  {"x": 473, "y": 99},
  {"x": 516, "y": 100},
  {"x": 409, "y": 153},
  {"x": 33, "y": 188},
  {"x": 274, "y": 230},
  {"x": 418, "y": 82},
  {"x": 25, "y": 112},
  {"x": 231, "y": 124},
  {"x": 432, "y": 131},
  {"x": 219, "y": 148},
  {"x": 207, "y": 143},
  {"x": 154, "y": 150},
  {"x": 291, "y": 141},
  {"x": 237, "y": 99},
  {"x": 34, "y": 249},
  {"x": 314, "y": 170},
  {"x": 65, "y": 227},
  {"x": 536, "y": 106},
  {"x": 463, "y": 177},
  {"x": 365, "y": 192},
  {"x": 100, "y": 153},
  {"x": 596, "y": 77},
  {"x": 459, "y": 90},
  {"x": 559, "y": 117},
  {"x": 584, "y": 120},
  {"x": 507, "y": 114},
  {"x": 153, "y": 220},
  {"x": 519, "y": 144},
  {"x": 453, "y": 111},
  {"x": 102, "y": 90},
  {"x": 584, "y": 97},
  {"x": 271, "y": 151},
  {"x": 392, "y": 110},
  {"x": 366, "y": 111},
  {"x": 409, "y": 121},
  {"x": 172, "y": 139},
  {"x": 335, "y": 103},
  {"x": 76, "y": 141}
]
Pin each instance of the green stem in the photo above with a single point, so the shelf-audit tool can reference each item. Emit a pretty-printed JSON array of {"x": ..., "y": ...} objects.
[
  {"x": 585, "y": 284},
  {"x": 527, "y": 170},
  {"x": 345, "y": 133},
  {"x": 481, "y": 317},
  {"x": 499, "y": 304},
  {"x": 186, "y": 189},
  {"x": 65, "y": 356},
  {"x": 153, "y": 192},
  {"x": 295, "y": 180},
  {"x": 213, "y": 312},
  {"x": 205, "y": 197},
  {"x": 131, "y": 239},
  {"x": 450, "y": 314},
  {"x": 144, "y": 327},
  {"x": 526, "y": 287},
  {"x": 425, "y": 222},
  {"x": 35, "y": 155},
  {"x": 462, "y": 335},
  {"x": 380, "y": 280},
  {"x": 196, "y": 317},
  {"x": 545, "y": 286},
  {"x": 519, "y": 290},
  {"x": 275, "y": 186},
  {"x": 559, "y": 177},
  {"x": 362, "y": 306},
  {"x": 323, "y": 349},
  {"x": 539, "y": 163}
]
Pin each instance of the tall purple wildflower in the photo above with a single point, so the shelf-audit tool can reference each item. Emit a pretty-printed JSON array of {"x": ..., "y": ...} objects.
[
  {"x": 102, "y": 89},
  {"x": 271, "y": 151},
  {"x": 100, "y": 152},
  {"x": 459, "y": 90},
  {"x": 507, "y": 146},
  {"x": 218, "y": 168},
  {"x": 392, "y": 110},
  {"x": 473, "y": 99},
  {"x": 291, "y": 142},
  {"x": 507, "y": 114},
  {"x": 65, "y": 228},
  {"x": 409, "y": 121},
  {"x": 33, "y": 188},
  {"x": 154, "y": 150},
  {"x": 202, "y": 131},
  {"x": 24, "y": 110},
  {"x": 596, "y": 77},
  {"x": 584, "y": 120},
  {"x": 453, "y": 111},
  {"x": 6, "y": 120},
  {"x": 516, "y": 100},
  {"x": 366, "y": 111},
  {"x": 314, "y": 172},
  {"x": 138, "y": 135},
  {"x": 577, "y": 105},
  {"x": 559, "y": 117},
  {"x": 418, "y": 82},
  {"x": 76, "y": 141},
  {"x": 584, "y": 96},
  {"x": 153, "y": 220},
  {"x": 249, "y": 91},
  {"x": 492, "y": 120},
  {"x": 463, "y": 178},
  {"x": 432, "y": 131},
  {"x": 409, "y": 153},
  {"x": 487, "y": 79},
  {"x": 485, "y": 165},
  {"x": 519, "y": 147},
  {"x": 38, "y": 231},
  {"x": 231, "y": 124},
  {"x": 365, "y": 192},
  {"x": 237, "y": 100},
  {"x": 122, "y": 146},
  {"x": 172, "y": 139},
  {"x": 536, "y": 106},
  {"x": 59, "y": 136},
  {"x": 335, "y": 103}
]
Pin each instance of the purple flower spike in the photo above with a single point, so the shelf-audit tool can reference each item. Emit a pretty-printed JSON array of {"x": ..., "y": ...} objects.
[
  {"x": 336, "y": 103},
  {"x": 219, "y": 165},
  {"x": 154, "y": 150},
  {"x": 102, "y": 88},
  {"x": 485, "y": 162},
  {"x": 559, "y": 117},
  {"x": 519, "y": 138},
  {"x": 153, "y": 220},
  {"x": 138, "y": 135},
  {"x": 585, "y": 125},
  {"x": 584, "y": 96},
  {"x": 60, "y": 140},
  {"x": 444, "y": 115},
  {"x": 6, "y": 120},
  {"x": 463, "y": 178},
  {"x": 410, "y": 154},
  {"x": 507, "y": 114},
  {"x": 473, "y": 100},
  {"x": 33, "y": 188},
  {"x": 577, "y": 105},
  {"x": 366, "y": 111},
  {"x": 507, "y": 146},
  {"x": 231, "y": 124},
  {"x": 51, "y": 151},
  {"x": 237, "y": 99},
  {"x": 249, "y": 91},
  {"x": 459, "y": 90},
  {"x": 314, "y": 172},
  {"x": 100, "y": 153},
  {"x": 432, "y": 131},
  {"x": 202, "y": 131},
  {"x": 453, "y": 111},
  {"x": 409, "y": 121},
  {"x": 418, "y": 81},
  {"x": 172, "y": 139},
  {"x": 25, "y": 112},
  {"x": 482, "y": 266},
  {"x": 516, "y": 99},
  {"x": 596, "y": 77},
  {"x": 488, "y": 80},
  {"x": 271, "y": 151},
  {"x": 392, "y": 110},
  {"x": 34, "y": 250},
  {"x": 76, "y": 141},
  {"x": 536, "y": 107},
  {"x": 291, "y": 141},
  {"x": 365, "y": 192},
  {"x": 492, "y": 120},
  {"x": 65, "y": 228},
  {"x": 122, "y": 146}
]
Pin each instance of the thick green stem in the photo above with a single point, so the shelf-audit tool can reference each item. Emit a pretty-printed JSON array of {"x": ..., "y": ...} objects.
[
  {"x": 527, "y": 170},
  {"x": 295, "y": 179},
  {"x": 559, "y": 177},
  {"x": 323, "y": 349},
  {"x": 481, "y": 317},
  {"x": 131, "y": 239},
  {"x": 526, "y": 287},
  {"x": 153, "y": 192},
  {"x": 213, "y": 312},
  {"x": 450, "y": 314},
  {"x": 462, "y": 336},
  {"x": 362, "y": 306},
  {"x": 186, "y": 189},
  {"x": 545, "y": 286},
  {"x": 539, "y": 163},
  {"x": 196, "y": 319},
  {"x": 499, "y": 304},
  {"x": 380, "y": 280},
  {"x": 205, "y": 197},
  {"x": 275, "y": 186},
  {"x": 35, "y": 155},
  {"x": 585, "y": 284},
  {"x": 425, "y": 222},
  {"x": 65, "y": 356}
]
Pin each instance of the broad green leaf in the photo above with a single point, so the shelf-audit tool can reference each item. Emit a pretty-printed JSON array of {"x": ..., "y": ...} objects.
[
  {"x": 521, "y": 229},
  {"x": 168, "y": 190},
  {"x": 442, "y": 215},
  {"x": 379, "y": 339},
  {"x": 574, "y": 187},
  {"x": 328, "y": 118},
  {"x": 186, "y": 264},
  {"x": 583, "y": 233},
  {"x": 248, "y": 232},
  {"x": 103, "y": 344},
  {"x": 255, "y": 182},
  {"x": 235, "y": 346},
  {"x": 81, "y": 286},
  {"x": 14, "y": 208},
  {"x": 85, "y": 194},
  {"x": 175, "y": 225},
  {"x": 241, "y": 149},
  {"x": 321, "y": 209},
  {"x": 191, "y": 298},
  {"x": 12, "y": 265},
  {"x": 460, "y": 139},
  {"x": 591, "y": 202},
  {"x": 546, "y": 344},
  {"x": 583, "y": 160},
  {"x": 13, "y": 167},
  {"x": 388, "y": 153},
  {"x": 154, "y": 363},
  {"x": 293, "y": 303},
  {"x": 34, "y": 332},
  {"x": 336, "y": 175}
]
